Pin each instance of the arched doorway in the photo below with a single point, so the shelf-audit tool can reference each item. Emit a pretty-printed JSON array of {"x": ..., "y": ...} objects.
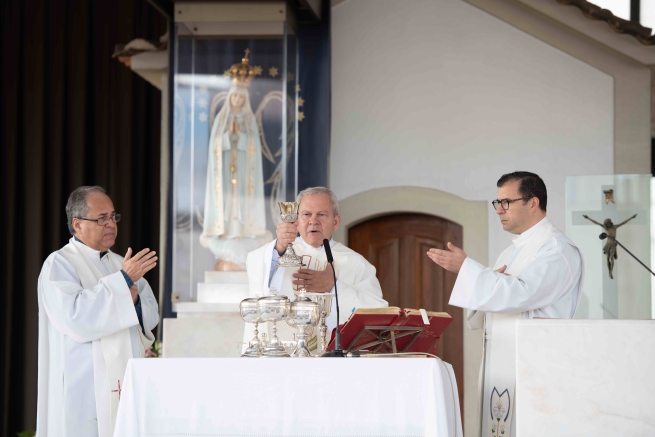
[{"x": 396, "y": 245}]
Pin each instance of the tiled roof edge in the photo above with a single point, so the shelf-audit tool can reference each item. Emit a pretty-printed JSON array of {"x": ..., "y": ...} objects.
[{"x": 619, "y": 25}]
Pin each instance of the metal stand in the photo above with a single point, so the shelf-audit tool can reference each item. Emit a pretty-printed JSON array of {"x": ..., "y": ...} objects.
[{"x": 385, "y": 336}]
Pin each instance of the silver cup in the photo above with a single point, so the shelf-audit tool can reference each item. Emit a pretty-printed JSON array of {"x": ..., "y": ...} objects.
[
  {"x": 273, "y": 309},
  {"x": 324, "y": 301},
  {"x": 303, "y": 315},
  {"x": 289, "y": 214},
  {"x": 250, "y": 314}
]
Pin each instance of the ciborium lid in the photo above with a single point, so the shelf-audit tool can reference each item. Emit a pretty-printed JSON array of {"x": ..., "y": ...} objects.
[
  {"x": 272, "y": 300},
  {"x": 249, "y": 302}
]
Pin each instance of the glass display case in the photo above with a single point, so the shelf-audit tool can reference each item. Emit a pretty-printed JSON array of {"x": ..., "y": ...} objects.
[
  {"x": 235, "y": 144},
  {"x": 616, "y": 286}
]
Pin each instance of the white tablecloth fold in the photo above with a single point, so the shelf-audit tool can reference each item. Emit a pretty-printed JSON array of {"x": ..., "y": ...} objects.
[{"x": 289, "y": 397}]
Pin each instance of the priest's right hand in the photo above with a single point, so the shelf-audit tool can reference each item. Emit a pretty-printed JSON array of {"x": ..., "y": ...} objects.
[
  {"x": 140, "y": 264},
  {"x": 286, "y": 233}
]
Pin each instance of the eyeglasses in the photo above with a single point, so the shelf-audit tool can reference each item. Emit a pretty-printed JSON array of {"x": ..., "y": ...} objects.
[
  {"x": 504, "y": 203},
  {"x": 103, "y": 220}
]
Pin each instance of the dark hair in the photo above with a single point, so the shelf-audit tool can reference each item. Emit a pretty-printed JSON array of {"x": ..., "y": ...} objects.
[{"x": 531, "y": 186}]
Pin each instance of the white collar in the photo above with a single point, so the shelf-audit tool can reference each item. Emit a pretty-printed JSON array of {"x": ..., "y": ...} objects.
[
  {"x": 91, "y": 253},
  {"x": 521, "y": 239},
  {"x": 320, "y": 248}
]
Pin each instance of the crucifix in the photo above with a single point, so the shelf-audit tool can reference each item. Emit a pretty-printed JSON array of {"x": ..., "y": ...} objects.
[
  {"x": 609, "y": 218},
  {"x": 118, "y": 390},
  {"x": 610, "y": 245}
]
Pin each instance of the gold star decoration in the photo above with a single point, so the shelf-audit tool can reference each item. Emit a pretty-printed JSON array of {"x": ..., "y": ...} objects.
[
  {"x": 301, "y": 101},
  {"x": 290, "y": 77},
  {"x": 298, "y": 88},
  {"x": 301, "y": 116},
  {"x": 258, "y": 70},
  {"x": 272, "y": 71}
]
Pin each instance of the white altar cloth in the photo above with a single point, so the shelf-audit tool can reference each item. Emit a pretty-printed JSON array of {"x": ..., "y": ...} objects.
[{"x": 289, "y": 397}]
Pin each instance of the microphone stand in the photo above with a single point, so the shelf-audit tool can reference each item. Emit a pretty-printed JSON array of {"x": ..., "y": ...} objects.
[
  {"x": 337, "y": 352},
  {"x": 604, "y": 235}
]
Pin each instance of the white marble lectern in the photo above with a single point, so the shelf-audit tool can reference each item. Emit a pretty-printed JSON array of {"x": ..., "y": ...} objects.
[{"x": 585, "y": 378}]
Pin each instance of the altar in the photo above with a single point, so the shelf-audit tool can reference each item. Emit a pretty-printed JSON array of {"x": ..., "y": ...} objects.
[
  {"x": 585, "y": 377},
  {"x": 289, "y": 397}
]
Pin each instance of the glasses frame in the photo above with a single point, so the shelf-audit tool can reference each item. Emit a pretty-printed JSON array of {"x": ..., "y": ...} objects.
[
  {"x": 114, "y": 217},
  {"x": 497, "y": 202}
]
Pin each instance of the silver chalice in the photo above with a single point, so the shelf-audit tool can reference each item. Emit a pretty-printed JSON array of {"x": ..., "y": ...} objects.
[
  {"x": 303, "y": 315},
  {"x": 289, "y": 214},
  {"x": 250, "y": 314},
  {"x": 273, "y": 309},
  {"x": 324, "y": 301}
]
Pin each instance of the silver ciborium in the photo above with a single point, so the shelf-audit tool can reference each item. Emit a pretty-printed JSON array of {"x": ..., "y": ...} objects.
[
  {"x": 324, "y": 301},
  {"x": 303, "y": 315},
  {"x": 249, "y": 310},
  {"x": 289, "y": 214},
  {"x": 273, "y": 309}
]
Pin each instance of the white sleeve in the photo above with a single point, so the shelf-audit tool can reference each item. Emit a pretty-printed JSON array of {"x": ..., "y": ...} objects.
[
  {"x": 542, "y": 282},
  {"x": 85, "y": 314},
  {"x": 364, "y": 292}
]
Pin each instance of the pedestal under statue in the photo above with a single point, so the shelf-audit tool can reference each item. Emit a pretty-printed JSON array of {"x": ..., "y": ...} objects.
[{"x": 234, "y": 220}]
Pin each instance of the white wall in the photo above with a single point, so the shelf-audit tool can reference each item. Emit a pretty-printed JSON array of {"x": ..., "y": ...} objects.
[{"x": 439, "y": 94}]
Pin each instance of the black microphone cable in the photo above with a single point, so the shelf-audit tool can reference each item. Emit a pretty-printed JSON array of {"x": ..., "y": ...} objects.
[{"x": 337, "y": 352}]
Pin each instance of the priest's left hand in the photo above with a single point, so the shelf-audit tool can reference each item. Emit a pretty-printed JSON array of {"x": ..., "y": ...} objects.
[
  {"x": 314, "y": 281},
  {"x": 134, "y": 291},
  {"x": 451, "y": 259}
]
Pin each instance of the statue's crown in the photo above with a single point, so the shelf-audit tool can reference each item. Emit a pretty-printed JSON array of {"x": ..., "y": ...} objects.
[{"x": 242, "y": 73}]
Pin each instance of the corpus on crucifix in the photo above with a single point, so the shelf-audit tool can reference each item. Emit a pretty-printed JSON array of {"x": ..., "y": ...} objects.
[{"x": 610, "y": 246}]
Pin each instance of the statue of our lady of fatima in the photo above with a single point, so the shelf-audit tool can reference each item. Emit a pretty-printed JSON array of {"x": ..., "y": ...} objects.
[{"x": 234, "y": 218}]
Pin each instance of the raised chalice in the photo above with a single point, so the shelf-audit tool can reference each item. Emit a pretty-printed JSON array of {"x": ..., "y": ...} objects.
[
  {"x": 289, "y": 214},
  {"x": 250, "y": 314},
  {"x": 303, "y": 315}
]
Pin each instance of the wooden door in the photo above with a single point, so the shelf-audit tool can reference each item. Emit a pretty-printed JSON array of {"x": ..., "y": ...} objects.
[{"x": 396, "y": 245}]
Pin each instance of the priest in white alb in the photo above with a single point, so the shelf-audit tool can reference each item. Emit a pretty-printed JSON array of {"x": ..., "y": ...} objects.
[
  {"x": 539, "y": 275},
  {"x": 95, "y": 313},
  {"x": 318, "y": 218}
]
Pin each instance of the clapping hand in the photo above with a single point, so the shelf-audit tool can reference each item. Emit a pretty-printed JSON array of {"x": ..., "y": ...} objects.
[
  {"x": 140, "y": 264},
  {"x": 451, "y": 259}
]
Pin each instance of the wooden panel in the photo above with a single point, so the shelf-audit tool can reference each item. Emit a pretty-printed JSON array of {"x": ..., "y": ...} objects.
[
  {"x": 386, "y": 258},
  {"x": 430, "y": 276}
]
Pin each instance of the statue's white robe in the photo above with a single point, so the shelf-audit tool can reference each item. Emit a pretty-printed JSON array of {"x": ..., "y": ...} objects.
[
  {"x": 546, "y": 271},
  {"x": 73, "y": 320},
  {"x": 357, "y": 285}
]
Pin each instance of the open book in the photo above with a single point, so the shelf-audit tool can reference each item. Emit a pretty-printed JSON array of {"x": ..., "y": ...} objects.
[{"x": 381, "y": 330}]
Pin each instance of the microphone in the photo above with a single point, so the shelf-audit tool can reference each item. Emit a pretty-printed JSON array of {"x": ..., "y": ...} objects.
[
  {"x": 337, "y": 352},
  {"x": 604, "y": 235}
]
